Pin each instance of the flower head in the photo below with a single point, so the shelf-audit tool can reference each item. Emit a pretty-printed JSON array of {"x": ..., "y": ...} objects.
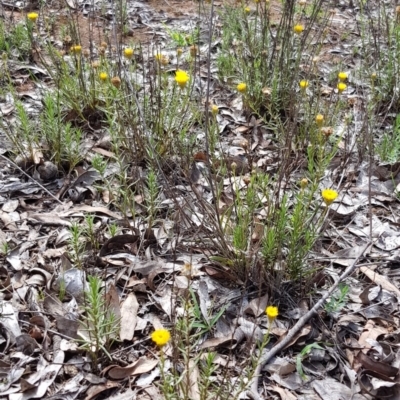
[
  {"x": 77, "y": 49},
  {"x": 103, "y": 76},
  {"x": 303, "y": 84},
  {"x": 32, "y": 16},
  {"x": 128, "y": 53},
  {"x": 214, "y": 109},
  {"x": 341, "y": 86},
  {"x": 179, "y": 51},
  {"x": 116, "y": 81},
  {"x": 304, "y": 183},
  {"x": 160, "y": 337},
  {"x": 272, "y": 313},
  {"x": 181, "y": 78},
  {"x": 247, "y": 10},
  {"x": 329, "y": 196},
  {"x": 241, "y": 87},
  {"x": 298, "y": 28},
  {"x": 373, "y": 76},
  {"x": 319, "y": 119},
  {"x": 342, "y": 76},
  {"x": 193, "y": 50},
  {"x": 326, "y": 131},
  {"x": 162, "y": 59}
]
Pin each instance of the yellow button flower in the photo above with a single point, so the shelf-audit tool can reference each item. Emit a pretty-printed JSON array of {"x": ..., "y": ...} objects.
[
  {"x": 32, "y": 16},
  {"x": 77, "y": 49},
  {"x": 272, "y": 313},
  {"x": 247, "y": 10},
  {"x": 181, "y": 78},
  {"x": 214, "y": 110},
  {"x": 298, "y": 28},
  {"x": 319, "y": 119},
  {"x": 128, "y": 53},
  {"x": 103, "y": 76},
  {"x": 241, "y": 87},
  {"x": 329, "y": 196},
  {"x": 341, "y": 86},
  {"x": 342, "y": 76},
  {"x": 303, "y": 84},
  {"x": 161, "y": 337}
]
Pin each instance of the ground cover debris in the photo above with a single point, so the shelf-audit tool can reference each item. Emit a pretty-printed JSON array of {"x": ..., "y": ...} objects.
[{"x": 199, "y": 199}]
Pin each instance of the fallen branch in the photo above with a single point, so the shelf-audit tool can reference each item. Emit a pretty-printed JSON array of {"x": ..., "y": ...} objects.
[{"x": 265, "y": 359}]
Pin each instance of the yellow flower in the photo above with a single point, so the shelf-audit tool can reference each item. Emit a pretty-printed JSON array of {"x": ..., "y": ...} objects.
[
  {"x": 342, "y": 76},
  {"x": 272, "y": 313},
  {"x": 373, "y": 76},
  {"x": 329, "y": 196},
  {"x": 128, "y": 53},
  {"x": 103, "y": 76},
  {"x": 161, "y": 337},
  {"x": 304, "y": 183},
  {"x": 319, "y": 119},
  {"x": 247, "y": 10},
  {"x": 214, "y": 109},
  {"x": 241, "y": 87},
  {"x": 341, "y": 86},
  {"x": 298, "y": 28},
  {"x": 181, "y": 78},
  {"x": 32, "y": 16},
  {"x": 303, "y": 84},
  {"x": 77, "y": 49}
]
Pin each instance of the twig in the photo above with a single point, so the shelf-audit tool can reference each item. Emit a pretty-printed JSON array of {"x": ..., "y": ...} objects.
[
  {"x": 265, "y": 359},
  {"x": 34, "y": 180}
]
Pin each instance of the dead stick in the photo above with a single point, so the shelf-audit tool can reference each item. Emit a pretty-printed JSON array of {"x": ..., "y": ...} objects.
[{"x": 253, "y": 392}]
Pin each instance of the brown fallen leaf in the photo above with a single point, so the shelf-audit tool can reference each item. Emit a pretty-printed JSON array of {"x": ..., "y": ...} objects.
[
  {"x": 129, "y": 308},
  {"x": 257, "y": 306},
  {"x": 217, "y": 342},
  {"x": 194, "y": 378},
  {"x": 382, "y": 370},
  {"x": 93, "y": 210},
  {"x": 371, "y": 331},
  {"x": 141, "y": 366},
  {"x": 380, "y": 280},
  {"x": 93, "y": 391}
]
